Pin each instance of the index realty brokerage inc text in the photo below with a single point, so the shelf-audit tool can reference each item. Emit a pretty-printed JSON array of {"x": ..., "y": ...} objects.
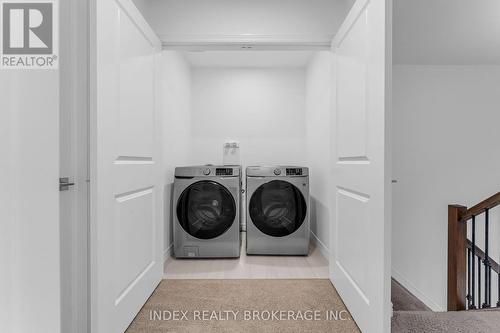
[{"x": 247, "y": 315}]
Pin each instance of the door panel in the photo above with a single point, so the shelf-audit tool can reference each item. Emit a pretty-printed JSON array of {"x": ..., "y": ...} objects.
[
  {"x": 126, "y": 196},
  {"x": 136, "y": 108},
  {"x": 134, "y": 229},
  {"x": 353, "y": 222},
  {"x": 360, "y": 263},
  {"x": 351, "y": 97}
]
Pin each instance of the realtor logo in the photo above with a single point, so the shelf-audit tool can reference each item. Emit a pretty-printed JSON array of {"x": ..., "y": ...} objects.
[{"x": 29, "y": 34}]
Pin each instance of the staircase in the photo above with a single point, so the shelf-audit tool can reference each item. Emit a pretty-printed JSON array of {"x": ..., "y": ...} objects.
[
  {"x": 472, "y": 275},
  {"x": 412, "y": 316}
]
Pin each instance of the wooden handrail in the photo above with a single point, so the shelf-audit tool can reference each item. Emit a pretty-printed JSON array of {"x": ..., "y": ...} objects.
[
  {"x": 480, "y": 253},
  {"x": 480, "y": 208},
  {"x": 458, "y": 245}
]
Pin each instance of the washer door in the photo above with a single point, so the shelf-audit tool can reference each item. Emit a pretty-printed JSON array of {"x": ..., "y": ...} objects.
[
  {"x": 277, "y": 208},
  {"x": 206, "y": 209}
]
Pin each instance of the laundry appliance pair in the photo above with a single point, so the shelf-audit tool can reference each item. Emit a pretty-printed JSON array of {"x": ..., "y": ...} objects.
[{"x": 208, "y": 208}]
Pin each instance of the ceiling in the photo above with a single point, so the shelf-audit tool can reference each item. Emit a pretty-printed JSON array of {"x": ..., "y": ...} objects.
[
  {"x": 220, "y": 19},
  {"x": 426, "y": 32},
  {"x": 249, "y": 59},
  {"x": 447, "y": 32}
]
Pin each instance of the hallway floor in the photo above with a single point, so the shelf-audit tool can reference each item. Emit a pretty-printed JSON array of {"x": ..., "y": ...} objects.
[
  {"x": 246, "y": 306},
  {"x": 314, "y": 266}
]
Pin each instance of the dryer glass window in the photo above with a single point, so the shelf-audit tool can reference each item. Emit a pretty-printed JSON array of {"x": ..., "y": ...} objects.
[
  {"x": 277, "y": 208},
  {"x": 206, "y": 210}
]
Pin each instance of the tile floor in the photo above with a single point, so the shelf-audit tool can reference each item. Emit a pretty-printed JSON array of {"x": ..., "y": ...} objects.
[{"x": 250, "y": 267}]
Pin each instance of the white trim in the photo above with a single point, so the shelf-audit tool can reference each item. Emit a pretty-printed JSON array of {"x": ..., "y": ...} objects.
[
  {"x": 92, "y": 93},
  {"x": 140, "y": 22},
  {"x": 356, "y": 10},
  {"x": 416, "y": 292},
  {"x": 168, "y": 252},
  {"x": 74, "y": 76},
  {"x": 322, "y": 247},
  {"x": 245, "y": 41}
]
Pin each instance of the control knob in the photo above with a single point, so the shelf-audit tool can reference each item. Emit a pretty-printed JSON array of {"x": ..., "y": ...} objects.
[
  {"x": 206, "y": 172},
  {"x": 277, "y": 172}
]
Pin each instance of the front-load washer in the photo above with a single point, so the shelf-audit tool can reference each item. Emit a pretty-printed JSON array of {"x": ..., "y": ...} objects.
[
  {"x": 206, "y": 211},
  {"x": 277, "y": 210}
]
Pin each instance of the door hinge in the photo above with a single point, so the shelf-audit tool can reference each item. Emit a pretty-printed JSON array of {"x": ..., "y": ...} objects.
[{"x": 64, "y": 184}]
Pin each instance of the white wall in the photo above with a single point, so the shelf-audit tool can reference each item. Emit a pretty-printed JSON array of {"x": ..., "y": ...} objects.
[
  {"x": 318, "y": 108},
  {"x": 444, "y": 32},
  {"x": 29, "y": 131},
  {"x": 446, "y": 150},
  {"x": 262, "y": 108},
  {"x": 6, "y": 203},
  {"x": 176, "y": 119}
]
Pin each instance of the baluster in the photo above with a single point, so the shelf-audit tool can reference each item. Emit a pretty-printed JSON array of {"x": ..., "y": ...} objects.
[
  {"x": 468, "y": 278},
  {"x": 486, "y": 261},
  {"x": 473, "y": 283},
  {"x": 479, "y": 281}
]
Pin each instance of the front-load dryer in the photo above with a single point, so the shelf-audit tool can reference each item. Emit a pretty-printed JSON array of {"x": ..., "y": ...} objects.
[
  {"x": 277, "y": 210},
  {"x": 206, "y": 211}
]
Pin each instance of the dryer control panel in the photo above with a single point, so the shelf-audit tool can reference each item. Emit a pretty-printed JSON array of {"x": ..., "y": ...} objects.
[{"x": 277, "y": 171}]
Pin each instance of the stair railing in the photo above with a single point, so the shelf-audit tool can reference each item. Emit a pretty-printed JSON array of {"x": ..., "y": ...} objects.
[{"x": 464, "y": 292}]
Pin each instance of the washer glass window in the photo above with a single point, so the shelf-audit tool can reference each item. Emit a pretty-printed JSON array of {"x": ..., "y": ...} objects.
[
  {"x": 277, "y": 208},
  {"x": 206, "y": 209}
]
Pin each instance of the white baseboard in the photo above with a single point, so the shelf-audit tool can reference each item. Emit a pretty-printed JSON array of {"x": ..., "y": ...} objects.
[
  {"x": 416, "y": 292},
  {"x": 168, "y": 252},
  {"x": 322, "y": 247}
]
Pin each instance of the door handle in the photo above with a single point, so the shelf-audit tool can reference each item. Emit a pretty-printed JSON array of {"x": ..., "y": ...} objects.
[{"x": 64, "y": 184}]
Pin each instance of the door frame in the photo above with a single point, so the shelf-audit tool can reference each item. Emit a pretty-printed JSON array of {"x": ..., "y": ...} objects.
[
  {"x": 80, "y": 288},
  {"x": 75, "y": 127},
  {"x": 79, "y": 60}
]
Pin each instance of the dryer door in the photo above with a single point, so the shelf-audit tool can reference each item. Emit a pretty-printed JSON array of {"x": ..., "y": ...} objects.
[
  {"x": 277, "y": 208},
  {"x": 206, "y": 209}
]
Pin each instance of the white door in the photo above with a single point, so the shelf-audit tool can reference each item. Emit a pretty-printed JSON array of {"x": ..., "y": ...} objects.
[
  {"x": 126, "y": 216},
  {"x": 361, "y": 235}
]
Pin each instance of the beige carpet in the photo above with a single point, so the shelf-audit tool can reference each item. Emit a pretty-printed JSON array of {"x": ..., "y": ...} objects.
[
  {"x": 446, "y": 322},
  {"x": 256, "y": 305},
  {"x": 403, "y": 300},
  {"x": 412, "y": 316}
]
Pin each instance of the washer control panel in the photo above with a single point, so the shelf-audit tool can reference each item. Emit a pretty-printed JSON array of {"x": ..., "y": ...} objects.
[
  {"x": 208, "y": 171},
  {"x": 294, "y": 172}
]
